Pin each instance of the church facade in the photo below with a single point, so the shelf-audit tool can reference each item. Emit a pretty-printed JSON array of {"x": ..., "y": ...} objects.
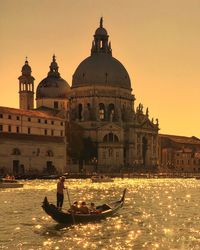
[
  {"x": 103, "y": 104},
  {"x": 100, "y": 101}
]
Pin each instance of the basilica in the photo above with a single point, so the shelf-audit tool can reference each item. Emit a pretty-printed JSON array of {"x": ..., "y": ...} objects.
[{"x": 91, "y": 124}]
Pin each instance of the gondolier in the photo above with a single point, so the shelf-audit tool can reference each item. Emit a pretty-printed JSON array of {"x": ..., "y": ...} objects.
[{"x": 60, "y": 193}]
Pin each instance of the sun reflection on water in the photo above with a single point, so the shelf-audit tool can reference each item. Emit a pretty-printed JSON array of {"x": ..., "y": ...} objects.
[{"x": 158, "y": 214}]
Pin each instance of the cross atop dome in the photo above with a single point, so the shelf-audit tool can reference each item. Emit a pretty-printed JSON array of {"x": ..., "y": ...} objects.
[{"x": 101, "y": 22}]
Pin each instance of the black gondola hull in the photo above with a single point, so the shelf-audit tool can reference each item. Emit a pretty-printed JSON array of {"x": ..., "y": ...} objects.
[{"x": 68, "y": 218}]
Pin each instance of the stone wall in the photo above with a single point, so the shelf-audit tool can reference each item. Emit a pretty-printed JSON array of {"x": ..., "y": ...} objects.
[{"x": 27, "y": 154}]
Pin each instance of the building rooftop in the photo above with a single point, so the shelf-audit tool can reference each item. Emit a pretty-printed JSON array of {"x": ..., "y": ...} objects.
[
  {"x": 181, "y": 139},
  {"x": 33, "y": 113}
]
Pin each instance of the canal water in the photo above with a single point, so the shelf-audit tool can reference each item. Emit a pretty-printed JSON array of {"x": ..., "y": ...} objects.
[{"x": 159, "y": 214}]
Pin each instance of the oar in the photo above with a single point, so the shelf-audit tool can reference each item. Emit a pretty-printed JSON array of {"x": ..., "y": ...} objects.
[{"x": 70, "y": 206}]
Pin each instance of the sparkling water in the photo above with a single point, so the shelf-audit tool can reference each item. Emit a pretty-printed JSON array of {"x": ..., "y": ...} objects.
[{"x": 159, "y": 214}]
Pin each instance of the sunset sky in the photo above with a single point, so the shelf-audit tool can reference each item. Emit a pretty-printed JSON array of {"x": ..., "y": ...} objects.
[{"x": 158, "y": 41}]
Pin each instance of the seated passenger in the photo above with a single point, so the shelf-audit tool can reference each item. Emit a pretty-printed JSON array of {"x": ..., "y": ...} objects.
[
  {"x": 93, "y": 209},
  {"x": 83, "y": 208},
  {"x": 74, "y": 208}
]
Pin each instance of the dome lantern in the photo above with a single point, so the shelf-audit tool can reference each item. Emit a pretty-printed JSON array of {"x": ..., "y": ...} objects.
[
  {"x": 100, "y": 43},
  {"x": 26, "y": 69},
  {"x": 54, "y": 68}
]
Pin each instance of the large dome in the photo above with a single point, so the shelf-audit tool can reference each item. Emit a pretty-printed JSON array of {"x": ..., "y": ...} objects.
[
  {"x": 53, "y": 86},
  {"x": 101, "y": 68}
]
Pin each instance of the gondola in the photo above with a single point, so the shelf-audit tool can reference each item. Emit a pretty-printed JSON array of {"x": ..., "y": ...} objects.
[
  {"x": 7, "y": 183},
  {"x": 101, "y": 178},
  {"x": 70, "y": 218}
]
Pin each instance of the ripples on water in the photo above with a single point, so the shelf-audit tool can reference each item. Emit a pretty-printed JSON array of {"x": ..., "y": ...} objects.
[{"x": 158, "y": 214}]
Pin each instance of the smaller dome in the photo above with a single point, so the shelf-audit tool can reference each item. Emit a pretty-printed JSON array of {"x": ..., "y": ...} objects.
[
  {"x": 101, "y": 32},
  {"x": 26, "y": 69},
  {"x": 53, "y": 86}
]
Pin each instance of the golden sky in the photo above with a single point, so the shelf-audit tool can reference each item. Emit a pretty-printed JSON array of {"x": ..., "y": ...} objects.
[{"x": 158, "y": 41}]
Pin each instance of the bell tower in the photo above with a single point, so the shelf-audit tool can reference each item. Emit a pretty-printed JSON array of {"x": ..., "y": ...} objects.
[{"x": 26, "y": 88}]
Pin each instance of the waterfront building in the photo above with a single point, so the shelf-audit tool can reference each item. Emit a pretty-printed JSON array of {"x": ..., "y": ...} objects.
[
  {"x": 179, "y": 153},
  {"x": 91, "y": 126},
  {"x": 32, "y": 141}
]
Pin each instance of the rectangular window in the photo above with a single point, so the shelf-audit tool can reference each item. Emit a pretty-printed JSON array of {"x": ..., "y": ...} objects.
[
  {"x": 52, "y": 122},
  {"x": 52, "y": 132},
  {"x": 45, "y": 121},
  {"x": 9, "y": 117},
  {"x": 39, "y": 120},
  {"x": 61, "y": 123},
  {"x": 29, "y": 119},
  {"x": 17, "y": 129},
  {"x": 61, "y": 133},
  {"x": 1, "y": 115},
  {"x": 17, "y": 118},
  {"x": 1, "y": 127},
  {"x": 110, "y": 152},
  {"x": 9, "y": 128},
  {"x": 56, "y": 105},
  {"x": 29, "y": 130},
  {"x": 45, "y": 131}
]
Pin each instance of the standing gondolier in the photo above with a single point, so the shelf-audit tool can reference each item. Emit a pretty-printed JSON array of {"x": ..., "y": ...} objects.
[{"x": 60, "y": 193}]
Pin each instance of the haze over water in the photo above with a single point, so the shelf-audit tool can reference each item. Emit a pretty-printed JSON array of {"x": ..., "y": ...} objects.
[{"x": 158, "y": 214}]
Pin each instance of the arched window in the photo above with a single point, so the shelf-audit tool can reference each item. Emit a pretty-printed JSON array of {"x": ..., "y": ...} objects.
[
  {"x": 110, "y": 138},
  {"x": 80, "y": 110},
  {"x": 49, "y": 153},
  {"x": 16, "y": 151},
  {"x": 111, "y": 111},
  {"x": 101, "y": 111}
]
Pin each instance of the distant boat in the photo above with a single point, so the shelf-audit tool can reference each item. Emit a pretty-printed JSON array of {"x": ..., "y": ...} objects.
[
  {"x": 101, "y": 178},
  {"x": 71, "y": 218},
  {"x": 7, "y": 183}
]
